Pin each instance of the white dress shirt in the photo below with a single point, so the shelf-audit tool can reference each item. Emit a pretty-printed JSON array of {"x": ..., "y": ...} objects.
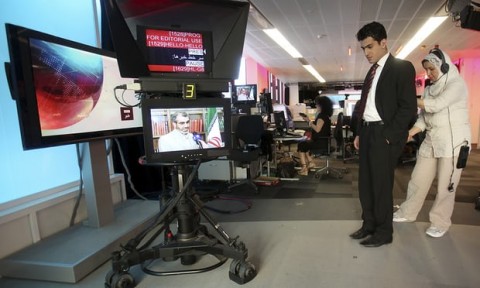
[{"x": 371, "y": 113}]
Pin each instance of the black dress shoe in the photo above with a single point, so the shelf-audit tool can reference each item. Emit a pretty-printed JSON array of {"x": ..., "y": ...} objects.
[
  {"x": 376, "y": 241},
  {"x": 360, "y": 234}
]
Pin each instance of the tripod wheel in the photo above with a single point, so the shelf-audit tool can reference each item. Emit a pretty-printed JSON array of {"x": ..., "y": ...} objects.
[
  {"x": 242, "y": 272},
  {"x": 119, "y": 280}
]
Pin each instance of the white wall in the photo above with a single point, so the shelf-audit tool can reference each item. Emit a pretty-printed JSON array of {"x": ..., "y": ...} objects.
[
  {"x": 44, "y": 168},
  {"x": 470, "y": 71},
  {"x": 28, "y": 220}
]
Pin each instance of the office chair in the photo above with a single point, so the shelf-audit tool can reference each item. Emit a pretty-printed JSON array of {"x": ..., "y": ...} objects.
[
  {"x": 349, "y": 152},
  {"x": 338, "y": 134},
  {"x": 247, "y": 138},
  {"x": 327, "y": 154}
]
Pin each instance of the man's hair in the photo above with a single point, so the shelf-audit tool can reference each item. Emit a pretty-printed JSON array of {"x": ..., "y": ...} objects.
[
  {"x": 374, "y": 30},
  {"x": 174, "y": 116}
]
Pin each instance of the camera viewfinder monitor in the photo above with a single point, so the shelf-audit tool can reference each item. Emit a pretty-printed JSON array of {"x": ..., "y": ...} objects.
[
  {"x": 65, "y": 93},
  {"x": 179, "y": 131}
]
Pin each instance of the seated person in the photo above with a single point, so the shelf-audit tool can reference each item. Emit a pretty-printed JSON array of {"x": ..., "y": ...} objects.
[{"x": 320, "y": 127}]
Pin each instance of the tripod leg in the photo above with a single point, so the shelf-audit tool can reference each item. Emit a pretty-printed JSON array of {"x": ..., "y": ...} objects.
[{"x": 191, "y": 241}]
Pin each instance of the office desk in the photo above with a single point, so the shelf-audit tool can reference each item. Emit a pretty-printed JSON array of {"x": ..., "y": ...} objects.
[
  {"x": 300, "y": 124},
  {"x": 278, "y": 153}
]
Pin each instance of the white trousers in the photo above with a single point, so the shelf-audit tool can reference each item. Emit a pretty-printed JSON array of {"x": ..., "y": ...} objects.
[{"x": 423, "y": 174}]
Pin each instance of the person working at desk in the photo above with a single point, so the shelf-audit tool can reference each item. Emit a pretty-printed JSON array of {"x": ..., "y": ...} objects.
[
  {"x": 319, "y": 129},
  {"x": 180, "y": 138},
  {"x": 388, "y": 105}
]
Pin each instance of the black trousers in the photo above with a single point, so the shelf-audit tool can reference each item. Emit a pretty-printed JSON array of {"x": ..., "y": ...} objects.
[{"x": 378, "y": 160}]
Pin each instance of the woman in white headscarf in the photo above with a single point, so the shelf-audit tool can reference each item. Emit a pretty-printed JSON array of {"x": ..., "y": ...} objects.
[{"x": 444, "y": 117}]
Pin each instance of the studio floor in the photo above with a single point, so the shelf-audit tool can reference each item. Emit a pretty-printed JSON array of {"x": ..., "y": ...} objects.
[{"x": 297, "y": 232}]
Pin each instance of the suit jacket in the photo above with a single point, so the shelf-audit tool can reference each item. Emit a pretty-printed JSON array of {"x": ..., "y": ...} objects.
[{"x": 395, "y": 99}]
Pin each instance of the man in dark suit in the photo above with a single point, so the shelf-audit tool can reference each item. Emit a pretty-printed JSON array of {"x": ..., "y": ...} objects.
[{"x": 388, "y": 105}]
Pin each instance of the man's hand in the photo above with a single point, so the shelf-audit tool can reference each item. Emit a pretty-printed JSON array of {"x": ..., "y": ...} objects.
[{"x": 356, "y": 142}]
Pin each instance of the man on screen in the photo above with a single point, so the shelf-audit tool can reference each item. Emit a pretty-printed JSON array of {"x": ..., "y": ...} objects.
[
  {"x": 180, "y": 138},
  {"x": 244, "y": 94}
]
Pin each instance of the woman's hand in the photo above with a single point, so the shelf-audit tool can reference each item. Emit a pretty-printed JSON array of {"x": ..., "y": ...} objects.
[{"x": 412, "y": 132}]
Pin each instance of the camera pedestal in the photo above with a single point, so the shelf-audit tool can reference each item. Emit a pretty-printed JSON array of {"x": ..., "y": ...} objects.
[{"x": 191, "y": 241}]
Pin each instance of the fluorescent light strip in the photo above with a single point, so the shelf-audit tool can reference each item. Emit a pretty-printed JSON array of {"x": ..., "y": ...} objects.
[
  {"x": 423, "y": 33},
  {"x": 314, "y": 73},
  {"x": 282, "y": 42}
]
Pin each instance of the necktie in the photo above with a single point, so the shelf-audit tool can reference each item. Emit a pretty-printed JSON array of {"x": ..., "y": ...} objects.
[{"x": 366, "y": 88}]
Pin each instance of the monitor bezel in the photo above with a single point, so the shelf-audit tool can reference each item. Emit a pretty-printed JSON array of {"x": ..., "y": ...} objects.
[
  {"x": 178, "y": 157},
  {"x": 23, "y": 91}
]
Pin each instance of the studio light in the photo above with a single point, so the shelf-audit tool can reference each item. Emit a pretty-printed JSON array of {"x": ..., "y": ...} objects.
[
  {"x": 282, "y": 42},
  {"x": 314, "y": 72},
  {"x": 423, "y": 33}
]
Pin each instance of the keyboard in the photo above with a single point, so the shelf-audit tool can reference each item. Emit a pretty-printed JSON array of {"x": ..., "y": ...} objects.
[{"x": 293, "y": 134}]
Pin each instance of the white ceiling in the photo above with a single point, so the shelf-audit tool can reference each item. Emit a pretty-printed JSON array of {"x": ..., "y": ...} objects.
[{"x": 323, "y": 30}]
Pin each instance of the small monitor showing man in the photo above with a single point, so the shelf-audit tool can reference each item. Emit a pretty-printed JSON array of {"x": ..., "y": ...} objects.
[{"x": 245, "y": 94}]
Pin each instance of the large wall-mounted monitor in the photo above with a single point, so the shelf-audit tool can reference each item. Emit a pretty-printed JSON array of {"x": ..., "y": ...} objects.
[
  {"x": 218, "y": 24},
  {"x": 178, "y": 130},
  {"x": 64, "y": 91}
]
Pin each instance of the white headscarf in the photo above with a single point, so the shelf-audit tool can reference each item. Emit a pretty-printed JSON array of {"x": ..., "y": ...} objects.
[{"x": 438, "y": 86}]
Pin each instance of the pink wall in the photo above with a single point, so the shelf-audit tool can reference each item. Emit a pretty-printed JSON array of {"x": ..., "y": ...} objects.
[
  {"x": 256, "y": 74},
  {"x": 470, "y": 71}
]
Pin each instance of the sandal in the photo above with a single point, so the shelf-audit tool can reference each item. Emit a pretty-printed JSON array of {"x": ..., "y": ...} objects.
[{"x": 303, "y": 171}]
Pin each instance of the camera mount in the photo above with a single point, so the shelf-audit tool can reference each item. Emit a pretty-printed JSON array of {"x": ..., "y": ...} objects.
[{"x": 191, "y": 240}]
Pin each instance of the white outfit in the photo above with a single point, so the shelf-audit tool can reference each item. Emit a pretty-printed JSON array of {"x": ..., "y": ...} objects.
[
  {"x": 177, "y": 141},
  {"x": 445, "y": 119}
]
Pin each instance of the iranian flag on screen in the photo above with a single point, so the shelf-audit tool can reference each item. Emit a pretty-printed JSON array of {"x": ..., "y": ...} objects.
[{"x": 214, "y": 138}]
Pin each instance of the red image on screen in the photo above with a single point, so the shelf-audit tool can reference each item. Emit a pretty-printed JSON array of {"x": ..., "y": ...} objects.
[{"x": 67, "y": 89}]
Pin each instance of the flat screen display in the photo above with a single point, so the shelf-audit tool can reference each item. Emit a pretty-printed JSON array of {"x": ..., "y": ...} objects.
[
  {"x": 245, "y": 94},
  {"x": 65, "y": 91},
  {"x": 178, "y": 130}
]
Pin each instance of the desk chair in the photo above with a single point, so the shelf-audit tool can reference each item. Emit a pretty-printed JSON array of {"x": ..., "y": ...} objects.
[
  {"x": 327, "y": 154},
  {"x": 247, "y": 138},
  {"x": 349, "y": 151},
  {"x": 338, "y": 133}
]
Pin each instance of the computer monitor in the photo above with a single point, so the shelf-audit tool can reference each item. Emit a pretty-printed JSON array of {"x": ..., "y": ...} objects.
[
  {"x": 265, "y": 100},
  {"x": 65, "y": 91},
  {"x": 245, "y": 94},
  {"x": 244, "y": 97},
  {"x": 178, "y": 130},
  {"x": 280, "y": 122}
]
